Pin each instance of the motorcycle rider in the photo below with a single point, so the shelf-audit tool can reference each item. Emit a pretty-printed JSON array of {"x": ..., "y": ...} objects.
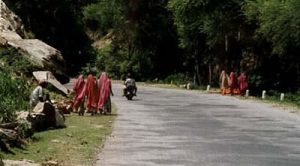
[{"x": 129, "y": 82}]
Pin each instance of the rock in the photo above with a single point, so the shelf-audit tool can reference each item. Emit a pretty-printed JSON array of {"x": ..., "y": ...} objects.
[
  {"x": 10, "y": 36},
  {"x": 60, "y": 120},
  {"x": 182, "y": 86},
  {"x": 39, "y": 108},
  {"x": 37, "y": 121},
  {"x": 41, "y": 54},
  {"x": 22, "y": 115},
  {"x": 55, "y": 141},
  {"x": 9, "y": 21},
  {"x": 45, "y": 115},
  {"x": 190, "y": 86},
  {"x": 20, "y": 163},
  {"x": 50, "y": 113},
  {"x": 3, "y": 41},
  {"x": 50, "y": 163},
  {"x": 49, "y": 77}
]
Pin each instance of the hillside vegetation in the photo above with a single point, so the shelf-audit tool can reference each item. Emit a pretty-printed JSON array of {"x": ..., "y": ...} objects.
[
  {"x": 156, "y": 39},
  {"x": 163, "y": 38},
  {"x": 14, "y": 85}
]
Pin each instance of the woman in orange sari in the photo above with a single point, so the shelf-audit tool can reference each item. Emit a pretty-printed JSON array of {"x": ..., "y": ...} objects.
[
  {"x": 224, "y": 83},
  {"x": 105, "y": 90},
  {"x": 79, "y": 89},
  {"x": 91, "y": 94}
]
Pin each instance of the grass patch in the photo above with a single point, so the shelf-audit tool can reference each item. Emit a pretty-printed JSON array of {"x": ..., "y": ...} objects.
[
  {"x": 283, "y": 104},
  {"x": 78, "y": 144}
]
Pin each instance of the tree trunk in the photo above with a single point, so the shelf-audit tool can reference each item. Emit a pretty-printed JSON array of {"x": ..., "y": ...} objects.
[
  {"x": 209, "y": 74},
  {"x": 197, "y": 73}
]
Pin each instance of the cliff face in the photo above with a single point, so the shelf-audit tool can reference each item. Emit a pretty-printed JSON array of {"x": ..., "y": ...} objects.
[
  {"x": 11, "y": 27},
  {"x": 40, "y": 53}
]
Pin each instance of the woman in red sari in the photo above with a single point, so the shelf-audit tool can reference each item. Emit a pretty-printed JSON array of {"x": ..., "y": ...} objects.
[
  {"x": 105, "y": 90},
  {"x": 243, "y": 83},
  {"x": 79, "y": 89},
  {"x": 91, "y": 94},
  {"x": 233, "y": 84}
]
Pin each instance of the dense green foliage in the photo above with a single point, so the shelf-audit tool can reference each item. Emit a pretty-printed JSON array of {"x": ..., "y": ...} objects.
[
  {"x": 209, "y": 31},
  {"x": 277, "y": 33},
  {"x": 143, "y": 38},
  {"x": 14, "y": 96},
  {"x": 14, "y": 90},
  {"x": 157, "y": 38}
]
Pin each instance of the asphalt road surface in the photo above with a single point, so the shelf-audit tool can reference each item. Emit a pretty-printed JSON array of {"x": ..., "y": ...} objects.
[{"x": 180, "y": 127}]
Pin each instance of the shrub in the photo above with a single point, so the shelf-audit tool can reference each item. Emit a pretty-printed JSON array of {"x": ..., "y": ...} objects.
[
  {"x": 14, "y": 62},
  {"x": 176, "y": 79},
  {"x": 14, "y": 96}
]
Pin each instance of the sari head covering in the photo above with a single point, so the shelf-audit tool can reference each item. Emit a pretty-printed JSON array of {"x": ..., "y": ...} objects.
[
  {"x": 105, "y": 90},
  {"x": 91, "y": 92},
  {"x": 79, "y": 84},
  {"x": 79, "y": 89}
]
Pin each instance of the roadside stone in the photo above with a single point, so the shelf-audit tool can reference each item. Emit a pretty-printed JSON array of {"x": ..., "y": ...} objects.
[
  {"x": 55, "y": 141},
  {"x": 20, "y": 163},
  {"x": 50, "y": 163}
]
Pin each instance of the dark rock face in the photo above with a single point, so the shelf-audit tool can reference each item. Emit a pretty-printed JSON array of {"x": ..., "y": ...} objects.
[{"x": 40, "y": 53}]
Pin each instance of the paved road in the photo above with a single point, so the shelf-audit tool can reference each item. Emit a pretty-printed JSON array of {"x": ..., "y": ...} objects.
[{"x": 177, "y": 127}]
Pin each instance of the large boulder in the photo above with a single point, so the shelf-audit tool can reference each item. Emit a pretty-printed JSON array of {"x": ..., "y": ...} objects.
[
  {"x": 40, "y": 53},
  {"x": 53, "y": 117}
]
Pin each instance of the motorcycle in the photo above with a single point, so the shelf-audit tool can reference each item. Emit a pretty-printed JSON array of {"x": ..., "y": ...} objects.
[{"x": 130, "y": 92}]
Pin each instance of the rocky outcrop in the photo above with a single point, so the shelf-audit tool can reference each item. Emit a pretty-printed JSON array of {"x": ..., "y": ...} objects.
[
  {"x": 9, "y": 21},
  {"x": 40, "y": 53}
]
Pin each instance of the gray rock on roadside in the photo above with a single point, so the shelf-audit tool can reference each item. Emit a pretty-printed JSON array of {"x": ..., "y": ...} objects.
[{"x": 20, "y": 163}]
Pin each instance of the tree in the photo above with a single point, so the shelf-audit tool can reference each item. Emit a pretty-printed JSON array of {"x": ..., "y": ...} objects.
[
  {"x": 143, "y": 37},
  {"x": 278, "y": 24},
  {"x": 210, "y": 31}
]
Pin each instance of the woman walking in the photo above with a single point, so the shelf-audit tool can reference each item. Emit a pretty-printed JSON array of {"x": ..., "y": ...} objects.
[
  {"x": 79, "y": 89},
  {"x": 243, "y": 83},
  {"x": 105, "y": 90},
  {"x": 223, "y": 82},
  {"x": 91, "y": 94}
]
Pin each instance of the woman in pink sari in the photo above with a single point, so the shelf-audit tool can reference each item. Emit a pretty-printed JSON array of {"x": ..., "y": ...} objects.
[
  {"x": 79, "y": 89},
  {"x": 91, "y": 94},
  {"x": 243, "y": 83},
  {"x": 105, "y": 90}
]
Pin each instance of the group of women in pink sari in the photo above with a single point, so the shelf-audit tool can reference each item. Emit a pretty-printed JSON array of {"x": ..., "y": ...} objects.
[
  {"x": 232, "y": 84},
  {"x": 94, "y": 93}
]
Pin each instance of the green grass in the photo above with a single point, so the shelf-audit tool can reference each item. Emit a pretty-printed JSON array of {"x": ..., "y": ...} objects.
[
  {"x": 275, "y": 101},
  {"x": 78, "y": 144}
]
